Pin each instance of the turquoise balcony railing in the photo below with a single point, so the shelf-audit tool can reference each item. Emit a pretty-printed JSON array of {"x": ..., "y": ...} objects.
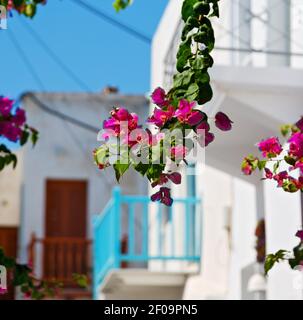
[{"x": 132, "y": 229}]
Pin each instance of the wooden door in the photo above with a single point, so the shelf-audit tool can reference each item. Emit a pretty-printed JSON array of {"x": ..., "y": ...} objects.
[
  {"x": 8, "y": 241},
  {"x": 65, "y": 225},
  {"x": 66, "y": 208}
]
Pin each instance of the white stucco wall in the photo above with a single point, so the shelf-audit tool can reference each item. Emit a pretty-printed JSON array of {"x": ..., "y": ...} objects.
[
  {"x": 10, "y": 195},
  {"x": 64, "y": 152},
  {"x": 258, "y": 100}
]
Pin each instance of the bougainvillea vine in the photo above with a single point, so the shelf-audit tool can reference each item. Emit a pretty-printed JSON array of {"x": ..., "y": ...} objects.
[
  {"x": 275, "y": 156},
  {"x": 13, "y": 128},
  {"x": 287, "y": 155},
  {"x": 177, "y": 123}
]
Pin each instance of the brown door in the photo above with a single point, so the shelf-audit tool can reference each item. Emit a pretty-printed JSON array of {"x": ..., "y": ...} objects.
[
  {"x": 66, "y": 208},
  {"x": 8, "y": 241},
  {"x": 65, "y": 226}
]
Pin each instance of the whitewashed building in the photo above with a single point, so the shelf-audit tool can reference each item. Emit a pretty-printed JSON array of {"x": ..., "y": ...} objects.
[
  {"x": 258, "y": 82},
  {"x": 47, "y": 204}
]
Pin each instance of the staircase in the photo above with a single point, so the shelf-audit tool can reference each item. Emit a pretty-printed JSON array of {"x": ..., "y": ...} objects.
[{"x": 144, "y": 250}]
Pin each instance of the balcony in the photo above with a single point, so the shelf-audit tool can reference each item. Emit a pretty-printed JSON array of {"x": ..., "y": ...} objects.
[
  {"x": 59, "y": 258},
  {"x": 140, "y": 245}
]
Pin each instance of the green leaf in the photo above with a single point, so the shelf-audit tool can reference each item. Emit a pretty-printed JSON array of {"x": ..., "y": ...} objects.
[
  {"x": 190, "y": 24},
  {"x": 272, "y": 259},
  {"x": 201, "y": 8},
  {"x": 30, "y": 10},
  {"x": 2, "y": 163},
  {"x": 80, "y": 279},
  {"x": 215, "y": 9},
  {"x": 276, "y": 166},
  {"x": 184, "y": 54},
  {"x": 183, "y": 79},
  {"x": 192, "y": 92},
  {"x": 120, "y": 169},
  {"x": 262, "y": 164},
  {"x": 121, "y": 4},
  {"x": 154, "y": 171},
  {"x": 24, "y": 137},
  {"x": 4, "y": 149},
  {"x": 188, "y": 9},
  {"x": 21, "y": 274},
  {"x": 285, "y": 130},
  {"x": 141, "y": 168},
  {"x": 290, "y": 160},
  {"x": 205, "y": 93},
  {"x": 34, "y": 136}
]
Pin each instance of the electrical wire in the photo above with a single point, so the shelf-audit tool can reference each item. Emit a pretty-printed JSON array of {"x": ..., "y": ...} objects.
[
  {"x": 68, "y": 71},
  {"x": 104, "y": 16},
  {"x": 23, "y": 56},
  {"x": 59, "y": 114}
]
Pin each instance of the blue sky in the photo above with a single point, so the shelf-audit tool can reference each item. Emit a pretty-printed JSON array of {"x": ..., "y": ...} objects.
[{"x": 99, "y": 53}]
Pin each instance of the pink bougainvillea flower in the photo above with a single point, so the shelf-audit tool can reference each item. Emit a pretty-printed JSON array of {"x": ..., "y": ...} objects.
[
  {"x": 178, "y": 152},
  {"x": 299, "y": 124},
  {"x": 184, "y": 111},
  {"x": 203, "y": 126},
  {"x": 163, "y": 195},
  {"x": 270, "y": 147},
  {"x": 296, "y": 183},
  {"x": 174, "y": 177},
  {"x": 118, "y": 116},
  {"x": 195, "y": 118},
  {"x": 102, "y": 166},
  {"x": 159, "y": 97},
  {"x": 205, "y": 138},
  {"x": 6, "y": 106},
  {"x": 298, "y": 165},
  {"x": 10, "y": 131},
  {"x": 160, "y": 117},
  {"x": 163, "y": 179},
  {"x": 247, "y": 167},
  {"x": 296, "y": 145},
  {"x": 209, "y": 138},
  {"x": 281, "y": 177},
  {"x": 14, "y": 134},
  {"x": 268, "y": 173},
  {"x": 133, "y": 121},
  {"x": 223, "y": 122},
  {"x": 299, "y": 234},
  {"x": 19, "y": 118}
]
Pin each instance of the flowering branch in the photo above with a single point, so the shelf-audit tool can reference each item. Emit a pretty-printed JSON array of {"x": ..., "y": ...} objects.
[
  {"x": 178, "y": 123},
  {"x": 291, "y": 179},
  {"x": 13, "y": 128}
]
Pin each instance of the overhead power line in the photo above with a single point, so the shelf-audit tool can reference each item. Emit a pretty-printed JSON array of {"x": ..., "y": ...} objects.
[
  {"x": 23, "y": 56},
  {"x": 104, "y": 16},
  {"x": 68, "y": 71},
  {"x": 59, "y": 114}
]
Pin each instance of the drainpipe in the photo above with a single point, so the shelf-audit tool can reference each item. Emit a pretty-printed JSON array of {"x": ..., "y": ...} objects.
[{"x": 278, "y": 32}]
